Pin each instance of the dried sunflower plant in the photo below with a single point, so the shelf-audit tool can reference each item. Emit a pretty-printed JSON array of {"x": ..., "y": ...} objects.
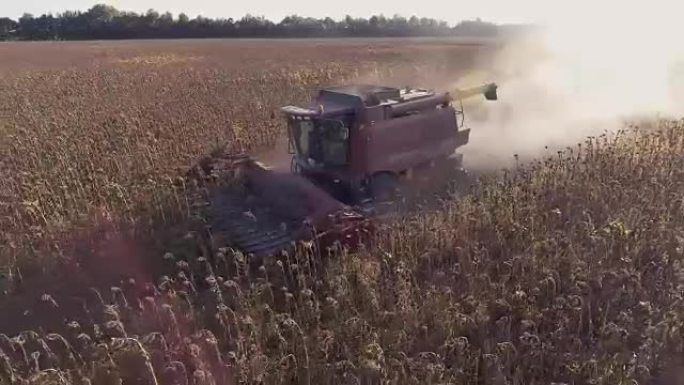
[{"x": 566, "y": 270}]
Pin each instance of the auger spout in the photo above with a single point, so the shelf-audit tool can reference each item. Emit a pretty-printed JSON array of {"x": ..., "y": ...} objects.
[{"x": 488, "y": 90}]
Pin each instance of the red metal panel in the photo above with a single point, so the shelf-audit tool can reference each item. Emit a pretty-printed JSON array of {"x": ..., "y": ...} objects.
[{"x": 401, "y": 143}]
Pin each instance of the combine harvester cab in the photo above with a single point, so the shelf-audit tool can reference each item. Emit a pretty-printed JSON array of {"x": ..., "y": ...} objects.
[{"x": 357, "y": 142}]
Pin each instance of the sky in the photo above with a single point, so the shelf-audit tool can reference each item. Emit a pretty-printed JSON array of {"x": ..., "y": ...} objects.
[{"x": 502, "y": 11}]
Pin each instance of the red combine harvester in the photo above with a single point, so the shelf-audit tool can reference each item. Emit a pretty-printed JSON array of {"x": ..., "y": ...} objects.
[{"x": 351, "y": 148}]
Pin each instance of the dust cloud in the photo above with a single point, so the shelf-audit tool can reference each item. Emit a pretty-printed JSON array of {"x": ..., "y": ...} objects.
[
  {"x": 572, "y": 78},
  {"x": 589, "y": 67}
]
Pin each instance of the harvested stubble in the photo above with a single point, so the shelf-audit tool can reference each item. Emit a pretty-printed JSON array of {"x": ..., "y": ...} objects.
[{"x": 568, "y": 270}]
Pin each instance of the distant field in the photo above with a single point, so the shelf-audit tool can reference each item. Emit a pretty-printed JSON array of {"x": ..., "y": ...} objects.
[{"x": 226, "y": 53}]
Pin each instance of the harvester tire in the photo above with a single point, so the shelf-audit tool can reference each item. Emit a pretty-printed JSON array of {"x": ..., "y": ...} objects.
[{"x": 384, "y": 187}]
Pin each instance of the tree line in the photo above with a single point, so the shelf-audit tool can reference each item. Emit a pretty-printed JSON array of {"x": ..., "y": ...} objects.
[{"x": 106, "y": 22}]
